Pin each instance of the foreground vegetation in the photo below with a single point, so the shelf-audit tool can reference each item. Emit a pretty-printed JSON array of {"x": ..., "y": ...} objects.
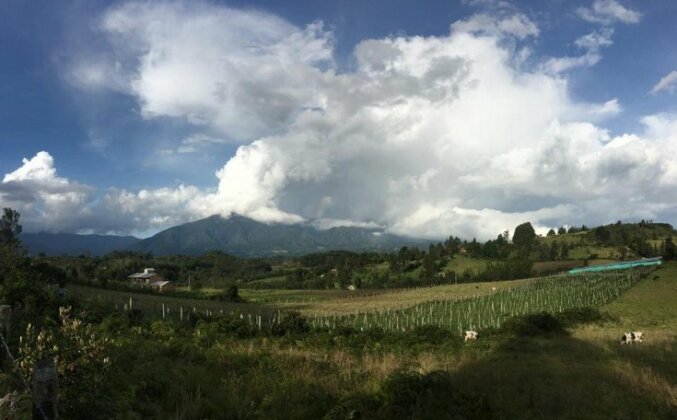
[
  {"x": 532, "y": 366},
  {"x": 548, "y": 348}
]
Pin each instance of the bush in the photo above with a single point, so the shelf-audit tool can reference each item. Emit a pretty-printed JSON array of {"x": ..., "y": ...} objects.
[
  {"x": 135, "y": 317},
  {"x": 430, "y": 396},
  {"x": 291, "y": 323},
  {"x": 229, "y": 295},
  {"x": 542, "y": 324},
  {"x": 573, "y": 317},
  {"x": 236, "y": 327}
]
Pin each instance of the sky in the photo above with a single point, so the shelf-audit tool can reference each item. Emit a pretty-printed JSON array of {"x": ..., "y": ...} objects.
[{"x": 426, "y": 119}]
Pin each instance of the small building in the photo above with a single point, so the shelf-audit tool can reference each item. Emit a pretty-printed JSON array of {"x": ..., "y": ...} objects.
[
  {"x": 146, "y": 277},
  {"x": 162, "y": 286},
  {"x": 149, "y": 278}
]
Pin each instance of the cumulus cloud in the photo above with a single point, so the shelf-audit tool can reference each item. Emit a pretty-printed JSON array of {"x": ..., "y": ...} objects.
[
  {"x": 45, "y": 199},
  {"x": 51, "y": 203},
  {"x": 244, "y": 73},
  {"x": 608, "y": 11},
  {"x": 426, "y": 136},
  {"x": 667, "y": 82}
]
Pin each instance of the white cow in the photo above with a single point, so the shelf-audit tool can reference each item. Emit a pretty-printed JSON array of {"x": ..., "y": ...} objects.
[
  {"x": 632, "y": 337},
  {"x": 471, "y": 335}
]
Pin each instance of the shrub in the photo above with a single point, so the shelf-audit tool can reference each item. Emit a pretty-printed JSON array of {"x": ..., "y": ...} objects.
[
  {"x": 229, "y": 295},
  {"x": 534, "y": 325},
  {"x": 432, "y": 395},
  {"x": 135, "y": 317},
  {"x": 292, "y": 323}
]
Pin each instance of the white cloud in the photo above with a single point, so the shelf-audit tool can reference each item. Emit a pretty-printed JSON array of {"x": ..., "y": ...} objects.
[
  {"x": 426, "y": 136},
  {"x": 596, "y": 39},
  {"x": 198, "y": 141},
  {"x": 517, "y": 25},
  {"x": 667, "y": 82},
  {"x": 51, "y": 203},
  {"x": 557, "y": 65},
  {"x": 608, "y": 11},
  {"x": 45, "y": 200},
  {"x": 591, "y": 43},
  {"x": 244, "y": 73}
]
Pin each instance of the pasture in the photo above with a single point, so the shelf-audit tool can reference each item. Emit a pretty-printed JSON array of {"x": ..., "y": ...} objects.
[{"x": 550, "y": 371}]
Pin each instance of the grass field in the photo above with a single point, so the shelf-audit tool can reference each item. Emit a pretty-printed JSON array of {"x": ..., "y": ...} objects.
[
  {"x": 588, "y": 374},
  {"x": 581, "y": 372},
  {"x": 152, "y": 304},
  {"x": 577, "y": 238},
  {"x": 343, "y": 303}
]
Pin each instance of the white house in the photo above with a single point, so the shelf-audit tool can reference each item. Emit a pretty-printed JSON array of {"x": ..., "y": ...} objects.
[{"x": 146, "y": 277}]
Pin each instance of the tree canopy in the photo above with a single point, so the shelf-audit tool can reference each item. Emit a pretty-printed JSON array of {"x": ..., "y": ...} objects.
[
  {"x": 10, "y": 227},
  {"x": 524, "y": 236}
]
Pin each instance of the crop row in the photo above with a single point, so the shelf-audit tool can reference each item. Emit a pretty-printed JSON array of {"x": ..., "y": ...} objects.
[{"x": 552, "y": 294}]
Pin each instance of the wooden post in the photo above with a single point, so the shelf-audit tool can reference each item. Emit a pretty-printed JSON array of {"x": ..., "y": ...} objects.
[
  {"x": 130, "y": 303},
  {"x": 163, "y": 311},
  {"x": 44, "y": 390},
  {"x": 181, "y": 313}
]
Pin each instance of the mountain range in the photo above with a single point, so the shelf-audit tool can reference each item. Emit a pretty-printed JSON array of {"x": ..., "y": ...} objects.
[
  {"x": 74, "y": 244},
  {"x": 235, "y": 235}
]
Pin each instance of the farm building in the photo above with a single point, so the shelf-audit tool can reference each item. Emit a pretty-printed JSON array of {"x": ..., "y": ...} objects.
[
  {"x": 161, "y": 286},
  {"x": 149, "y": 278},
  {"x": 146, "y": 277}
]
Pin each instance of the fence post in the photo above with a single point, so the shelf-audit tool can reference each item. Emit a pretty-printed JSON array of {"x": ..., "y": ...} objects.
[
  {"x": 181, "y": 313},
  {"x": 130, "y": 303},
  {"x": 44, "y": 390},
  {"x": 163, "y": 311}
]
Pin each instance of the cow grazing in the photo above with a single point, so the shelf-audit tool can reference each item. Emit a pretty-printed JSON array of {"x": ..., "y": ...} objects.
[
  {"x": 471, "y": 335},
  {"x": 632, "y": 337}
]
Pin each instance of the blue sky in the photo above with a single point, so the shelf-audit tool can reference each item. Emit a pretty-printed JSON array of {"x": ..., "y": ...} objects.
[{"x": 425, "y": 118}]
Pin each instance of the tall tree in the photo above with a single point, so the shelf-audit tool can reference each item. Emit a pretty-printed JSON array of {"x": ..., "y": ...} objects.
[
  {"x": 524, "y": 237},
  {"x": 10, "y": 227}
]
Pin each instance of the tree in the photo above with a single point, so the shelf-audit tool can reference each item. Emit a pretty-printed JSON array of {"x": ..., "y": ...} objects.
[
  {"x": 555, "y": 250},
  {"x": 10, "y": 246},
  {"x": 561, "y": 231},
  {"x": 551, "y": 232},
  {"x": 524, "y": 237},
  {"x": 429, "y": 269},
  {"x": 670, "y": 252},
  {"x": 10, "y": 227}
]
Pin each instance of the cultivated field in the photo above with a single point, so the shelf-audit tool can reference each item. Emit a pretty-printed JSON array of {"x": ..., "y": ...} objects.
[{"x": 580, "y": 371}]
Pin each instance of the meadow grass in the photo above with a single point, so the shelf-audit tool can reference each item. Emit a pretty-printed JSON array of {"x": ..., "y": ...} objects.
[
  {"x": 579, "y": 372},
  {"x": 461, "y": 264},
  {"x": 577, "y": 238},
  {"x": 587, "y": 373},
  {"x": 151, "y": 304},
  {"x": 380, "y": 300}
]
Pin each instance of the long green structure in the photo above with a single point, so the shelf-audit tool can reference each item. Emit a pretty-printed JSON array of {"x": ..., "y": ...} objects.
[{"x": 621, "y": 265}]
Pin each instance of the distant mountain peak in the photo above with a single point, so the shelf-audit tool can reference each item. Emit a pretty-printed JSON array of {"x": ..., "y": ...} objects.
[{"x": 243, "y": 236}]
